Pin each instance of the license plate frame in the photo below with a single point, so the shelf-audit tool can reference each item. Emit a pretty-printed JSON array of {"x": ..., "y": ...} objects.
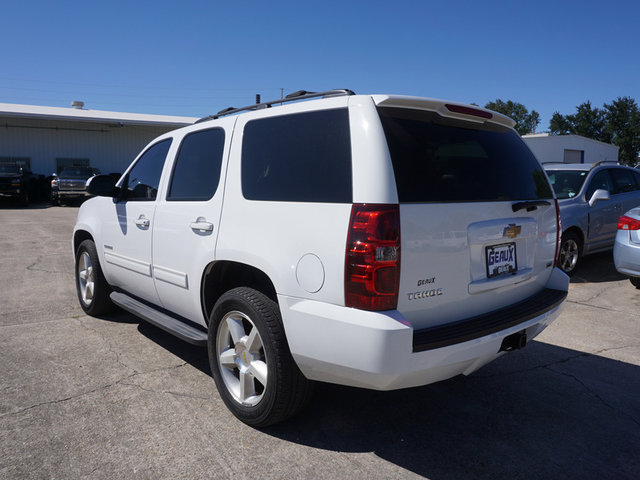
[{"x": 501, "y": 267}]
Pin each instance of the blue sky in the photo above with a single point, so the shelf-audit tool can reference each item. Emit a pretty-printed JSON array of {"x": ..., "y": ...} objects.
[{"x": 196, "y": 57}]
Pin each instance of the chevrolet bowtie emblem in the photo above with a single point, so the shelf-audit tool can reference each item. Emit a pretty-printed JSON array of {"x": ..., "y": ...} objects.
[{"x": 512, "y": 231}]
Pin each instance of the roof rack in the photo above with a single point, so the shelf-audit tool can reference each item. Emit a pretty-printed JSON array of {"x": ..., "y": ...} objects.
[
  {"x": 604, "y": 161},
  {"x": 292, "y": 97}
]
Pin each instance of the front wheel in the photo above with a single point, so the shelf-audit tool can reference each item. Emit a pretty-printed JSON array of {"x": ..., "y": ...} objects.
[
  {"x": 93, "y": 290},
  {"x": 250, "y": 360},
  {"x": 635, "y": 281},
  {"x": 570, "y": 253}
]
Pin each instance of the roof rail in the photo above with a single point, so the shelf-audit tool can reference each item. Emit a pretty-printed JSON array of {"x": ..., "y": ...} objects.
[
  {"x": 292, "y": 97},
  {"x": 604, "y": 161}
]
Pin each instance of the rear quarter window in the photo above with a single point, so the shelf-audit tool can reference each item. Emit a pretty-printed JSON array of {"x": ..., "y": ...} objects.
[
  {"x": 304, "y": 157},
  {"x": 442, "y": 160}
]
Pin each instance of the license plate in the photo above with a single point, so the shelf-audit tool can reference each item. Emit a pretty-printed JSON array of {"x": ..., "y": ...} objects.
[{"x": 501, "y": 259}]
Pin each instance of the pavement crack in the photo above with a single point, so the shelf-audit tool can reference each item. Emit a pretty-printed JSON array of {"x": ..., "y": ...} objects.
[
  {"x": 595, "y": 395},
  {"x": 107, "y": 341},
  {"x": 121, "y": 381}
]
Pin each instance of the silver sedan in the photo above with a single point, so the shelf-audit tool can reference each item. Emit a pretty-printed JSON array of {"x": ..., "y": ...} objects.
[{"x": 626, "y": 250}]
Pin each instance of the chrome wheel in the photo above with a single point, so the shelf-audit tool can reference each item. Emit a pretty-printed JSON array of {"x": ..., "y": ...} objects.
[
  {"x": 569, "y": 254},
  {"x": 86, "y": 280},
  {"x": 241, "y": 358}
]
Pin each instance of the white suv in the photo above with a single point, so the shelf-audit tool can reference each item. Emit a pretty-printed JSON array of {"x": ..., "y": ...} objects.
[{"x": 375, "y": 241}]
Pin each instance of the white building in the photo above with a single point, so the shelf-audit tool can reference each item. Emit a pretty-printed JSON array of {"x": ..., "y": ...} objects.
[
  {"x": 49, "y": 138},
  {"x": 569, "y": 149}
]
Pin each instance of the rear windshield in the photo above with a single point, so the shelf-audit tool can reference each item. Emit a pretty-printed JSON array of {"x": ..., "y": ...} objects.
[
  {"x": 442, "y": 160},
  {"x": 566, "y": 183}
]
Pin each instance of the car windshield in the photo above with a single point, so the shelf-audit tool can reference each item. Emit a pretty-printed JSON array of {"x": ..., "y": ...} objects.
[
  {"x": 566, "y": 183},
  {"x": 9, "y": 169},
  {"x": 78, "y": 172}
]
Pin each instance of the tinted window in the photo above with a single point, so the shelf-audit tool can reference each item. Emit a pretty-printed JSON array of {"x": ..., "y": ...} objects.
[
  {"x": 143, "y": 179},
  {"x": 197, "y": 169},
  {"x": 622, "y": 180},
  {"x": 567, "y": 183},
  {"x": 442, "y": 160},
  {"x": 304, "y": 157},
  {"x": 601, "y": 180}
]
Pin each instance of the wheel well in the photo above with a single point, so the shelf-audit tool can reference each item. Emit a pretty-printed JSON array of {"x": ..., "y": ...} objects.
[
  {"x": 576, "y": 231},
  {"x": 79, "y": 237},
  {"x": 221, "y": 277}
]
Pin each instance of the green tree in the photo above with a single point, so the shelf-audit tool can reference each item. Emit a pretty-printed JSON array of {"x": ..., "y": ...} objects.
[
  {"x": 587, "y": 121},
  {"x": 623, "y": 126},
  {"x": 526, "y": 122},
  {"x": 560, "y": 124}
]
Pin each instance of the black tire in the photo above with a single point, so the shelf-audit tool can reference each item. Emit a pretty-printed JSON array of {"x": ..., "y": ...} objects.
[
  {"x": 91, "y": 286},
  {"x": 270, "y": 388},
  {"x": 570, "y": 253},
  {"x": 25, "y": 198},
  {"x": 635, "y": 281}
]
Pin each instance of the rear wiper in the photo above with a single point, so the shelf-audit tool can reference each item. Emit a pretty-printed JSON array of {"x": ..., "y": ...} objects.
[{"x": 530, "y": 205}]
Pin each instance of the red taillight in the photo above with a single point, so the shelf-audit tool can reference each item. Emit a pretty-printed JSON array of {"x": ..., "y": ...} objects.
[
  {"x": 628, "y": 223},
  {"x": 558, "y": 234},
  {"x": 372, "y": 266},
  {"x": 468, "y": 111}
]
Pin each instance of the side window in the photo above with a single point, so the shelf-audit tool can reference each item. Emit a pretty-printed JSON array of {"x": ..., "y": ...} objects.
[
  {"x": 601, "y": 180},
  {"x": 622, "y": 180},
  {"x": 196, "y": 172},
  {"x": 143, "y": 179},
  {"x": 304, "y": 157}
]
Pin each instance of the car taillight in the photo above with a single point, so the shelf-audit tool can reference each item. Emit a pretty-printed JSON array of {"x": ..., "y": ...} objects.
[
  {"x": 628, "y": 223},
  {"x": 558, "y": 233},
  {"x": 372, "y": 265}
]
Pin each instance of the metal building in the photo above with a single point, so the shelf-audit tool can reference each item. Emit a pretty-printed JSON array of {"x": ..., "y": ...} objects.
[
  {"x": 570, "y": 149},
  {"x": 46, "y": 139}
]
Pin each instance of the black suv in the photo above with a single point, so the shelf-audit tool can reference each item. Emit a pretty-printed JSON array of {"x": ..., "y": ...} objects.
[{"x": 17, "y": 182}]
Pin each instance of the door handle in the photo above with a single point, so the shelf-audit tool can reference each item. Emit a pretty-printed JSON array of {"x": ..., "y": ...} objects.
[
  {"x": 142, "y": 221},
  {"x": 202, "y": 225}
]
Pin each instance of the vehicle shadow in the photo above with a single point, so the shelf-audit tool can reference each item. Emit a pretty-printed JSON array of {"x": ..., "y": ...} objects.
[
  {"x": 558, "y": 414},
  {"x": 597, "y": 268},
  {"x": 539, "y": 413},
  {"x": 16, "y": 205}
]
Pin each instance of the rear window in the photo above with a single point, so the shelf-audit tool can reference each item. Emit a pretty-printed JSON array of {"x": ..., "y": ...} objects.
[
  {"x": 304, "y": 157},
  {"x": 442, "y": 160}
]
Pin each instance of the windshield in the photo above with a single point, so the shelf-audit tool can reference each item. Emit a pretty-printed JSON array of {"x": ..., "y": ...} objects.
[
  {"x": 10, "y": 169},
  {"x": 566, "y": 183},
  {"x": 78, "y": 172}
]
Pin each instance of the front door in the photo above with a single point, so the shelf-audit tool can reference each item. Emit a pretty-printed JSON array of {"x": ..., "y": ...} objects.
[{"x": 128, "y": 230}]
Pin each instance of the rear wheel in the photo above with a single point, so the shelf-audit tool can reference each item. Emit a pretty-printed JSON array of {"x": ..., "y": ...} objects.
[
  {"x": 635, "y": 281},
  {"x": 93, "y": 290},
  {"x": 250, "y": 360},
  {"x": 570, "y": 253}
]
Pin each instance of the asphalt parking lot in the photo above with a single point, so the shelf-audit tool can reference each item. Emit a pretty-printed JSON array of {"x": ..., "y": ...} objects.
[{"x": 112, "y": 398}]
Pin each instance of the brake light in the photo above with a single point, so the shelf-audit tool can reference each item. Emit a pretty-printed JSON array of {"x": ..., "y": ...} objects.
[
  {"x": 372, "y": 264},
  {"x": 468, "y": 111},
  {"x": 558, "y": 233},
  {"x": 628, "y": 223}
]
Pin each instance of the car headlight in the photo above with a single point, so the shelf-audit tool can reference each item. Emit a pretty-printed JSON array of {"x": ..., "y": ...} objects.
[{"x": 54, "y": 182}]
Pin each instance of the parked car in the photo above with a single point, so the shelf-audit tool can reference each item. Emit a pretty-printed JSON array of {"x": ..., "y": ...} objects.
[
  {"x": 592, "y": 197},
  {"x": 375, "y": 241},
  {"x": 70, "y": 184},
  {"x": 626, "y": 250},
  {"x": 16, "y": 181}
]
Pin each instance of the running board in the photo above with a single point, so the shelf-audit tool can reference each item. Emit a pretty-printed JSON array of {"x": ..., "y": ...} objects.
[{"x": 161, "y": 320}]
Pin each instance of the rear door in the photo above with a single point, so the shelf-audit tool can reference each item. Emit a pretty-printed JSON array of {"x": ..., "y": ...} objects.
[
  {"x": 478, "y": 219},
  {"x": 187, "y": 219}
]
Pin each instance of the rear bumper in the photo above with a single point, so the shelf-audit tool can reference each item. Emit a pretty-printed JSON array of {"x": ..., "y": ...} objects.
[
  {"x": 626, "y": 255},
  {"x": 380, "y": 350}
]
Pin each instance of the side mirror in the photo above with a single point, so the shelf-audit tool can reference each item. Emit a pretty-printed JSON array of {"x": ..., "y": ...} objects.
[
  {"x": 599, "y": 194},
  {"x": 102, "y": 186}
]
